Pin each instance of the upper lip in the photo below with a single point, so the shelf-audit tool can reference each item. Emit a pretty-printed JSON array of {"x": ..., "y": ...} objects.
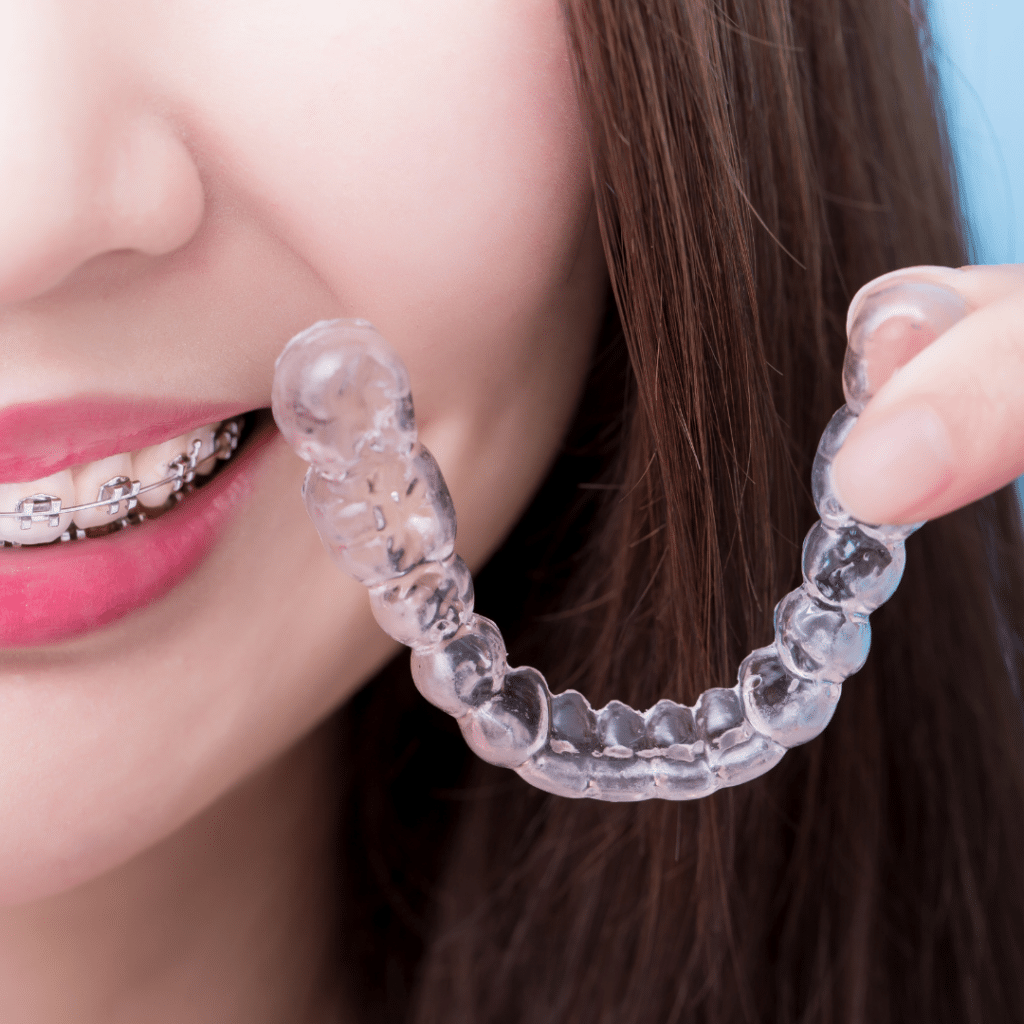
[{"x": 45, "y": 437}]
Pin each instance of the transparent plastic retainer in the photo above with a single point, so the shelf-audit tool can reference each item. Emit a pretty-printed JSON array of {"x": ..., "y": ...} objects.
[{"x": 342, "y": 399}]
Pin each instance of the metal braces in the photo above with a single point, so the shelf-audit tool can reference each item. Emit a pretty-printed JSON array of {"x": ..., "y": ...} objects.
[{"x": 120, "y": 490}]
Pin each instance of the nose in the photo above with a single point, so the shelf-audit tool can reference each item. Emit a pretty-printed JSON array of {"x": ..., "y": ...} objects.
[{"x": 88, "y": 165}]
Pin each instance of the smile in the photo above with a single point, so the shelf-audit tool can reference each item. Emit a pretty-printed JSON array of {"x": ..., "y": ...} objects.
[
  {"x": 91, "y": 500},
  {"x": 136, "y": 554}
]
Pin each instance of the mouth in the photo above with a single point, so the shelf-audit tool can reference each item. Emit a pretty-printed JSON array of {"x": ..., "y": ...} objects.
[
  {"x": 93, "y": 542},
  {"x": 95, "y": 499}
]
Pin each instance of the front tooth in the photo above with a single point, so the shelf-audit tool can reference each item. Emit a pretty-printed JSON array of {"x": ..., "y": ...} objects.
[
  {"x": 88, "y": 481},
  {"x": 38, "y": 531},
  {"x": 152, "y": 464}
]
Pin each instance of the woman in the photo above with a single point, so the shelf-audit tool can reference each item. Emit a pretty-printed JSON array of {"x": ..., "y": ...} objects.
[{"x": 185, "y": 187}]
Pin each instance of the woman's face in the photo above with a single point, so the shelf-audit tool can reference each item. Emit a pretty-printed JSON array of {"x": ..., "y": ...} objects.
[{"x": 185, "y": 185}]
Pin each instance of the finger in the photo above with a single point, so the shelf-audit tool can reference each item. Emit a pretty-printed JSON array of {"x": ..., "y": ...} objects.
[
  {"x": 978, "y": 285},
  {"x": 948, "y": 427},
  {"x": 888, "y": 324},
  {"x": 895, "y": 316}
]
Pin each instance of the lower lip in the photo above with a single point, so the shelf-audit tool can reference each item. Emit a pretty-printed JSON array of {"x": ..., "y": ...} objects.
[{"x": 62, "y": 591}]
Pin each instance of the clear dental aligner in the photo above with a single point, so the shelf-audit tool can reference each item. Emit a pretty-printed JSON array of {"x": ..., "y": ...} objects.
[
  {"x": 119, "y": 496},
  {"x": 341, "y": 398}
]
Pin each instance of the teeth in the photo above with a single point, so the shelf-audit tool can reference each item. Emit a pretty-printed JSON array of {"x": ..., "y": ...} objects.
[
  {"x": 88, "y": 481},
  {"x": 206, "y": 436},
  {"x": 44, "y": 525},
  {"x": 111, "y": 478},
  {"x": 152, "y": 464}
]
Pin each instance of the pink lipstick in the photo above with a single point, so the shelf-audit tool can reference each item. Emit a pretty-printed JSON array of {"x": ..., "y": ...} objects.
[
  {"x": 57, "y": 591},
  {"x": 45, "y": 437}
]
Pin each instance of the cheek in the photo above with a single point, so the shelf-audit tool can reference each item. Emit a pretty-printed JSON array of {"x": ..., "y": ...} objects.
[
  {"x": 110, "y": 744},
  {"x": 426, "y": 160}
]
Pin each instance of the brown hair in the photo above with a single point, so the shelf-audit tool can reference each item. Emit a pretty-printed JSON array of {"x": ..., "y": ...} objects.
[{"x": 755, "y": 161}]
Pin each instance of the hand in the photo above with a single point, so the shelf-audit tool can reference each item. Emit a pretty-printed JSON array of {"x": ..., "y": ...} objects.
[{"x": 946, "y": 425}]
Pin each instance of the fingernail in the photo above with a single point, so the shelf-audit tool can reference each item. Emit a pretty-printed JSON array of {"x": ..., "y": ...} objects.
[
  {"x": 946, "y": 278},
  {"x": 890, "y": 469}
]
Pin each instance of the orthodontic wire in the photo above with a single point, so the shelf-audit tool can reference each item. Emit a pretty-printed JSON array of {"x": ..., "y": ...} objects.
[
  {"x": 49, "y": 507},
  {"x": 342, "y": 399}
]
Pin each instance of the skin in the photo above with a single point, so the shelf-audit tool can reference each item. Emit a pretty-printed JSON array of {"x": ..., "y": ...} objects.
[
  {"x": 186, "y": 185},
  {"x": 946, "y": 428}
]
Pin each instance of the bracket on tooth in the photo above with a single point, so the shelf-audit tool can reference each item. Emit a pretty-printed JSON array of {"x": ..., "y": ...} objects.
[
  {"x": 36, "y": 508},
  {"x": 118, "y": 489},
  {"x": 226, "y": 440},
  {"x": 183, "y": 468}
]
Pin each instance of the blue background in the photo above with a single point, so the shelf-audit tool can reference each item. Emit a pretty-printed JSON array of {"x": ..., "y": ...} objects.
[{"x": 979, "y": 52}]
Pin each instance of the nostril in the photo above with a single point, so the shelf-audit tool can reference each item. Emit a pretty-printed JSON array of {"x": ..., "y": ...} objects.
[
  {"x": 128, "y": 186},
  {"x": 154, "y": 195}
]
